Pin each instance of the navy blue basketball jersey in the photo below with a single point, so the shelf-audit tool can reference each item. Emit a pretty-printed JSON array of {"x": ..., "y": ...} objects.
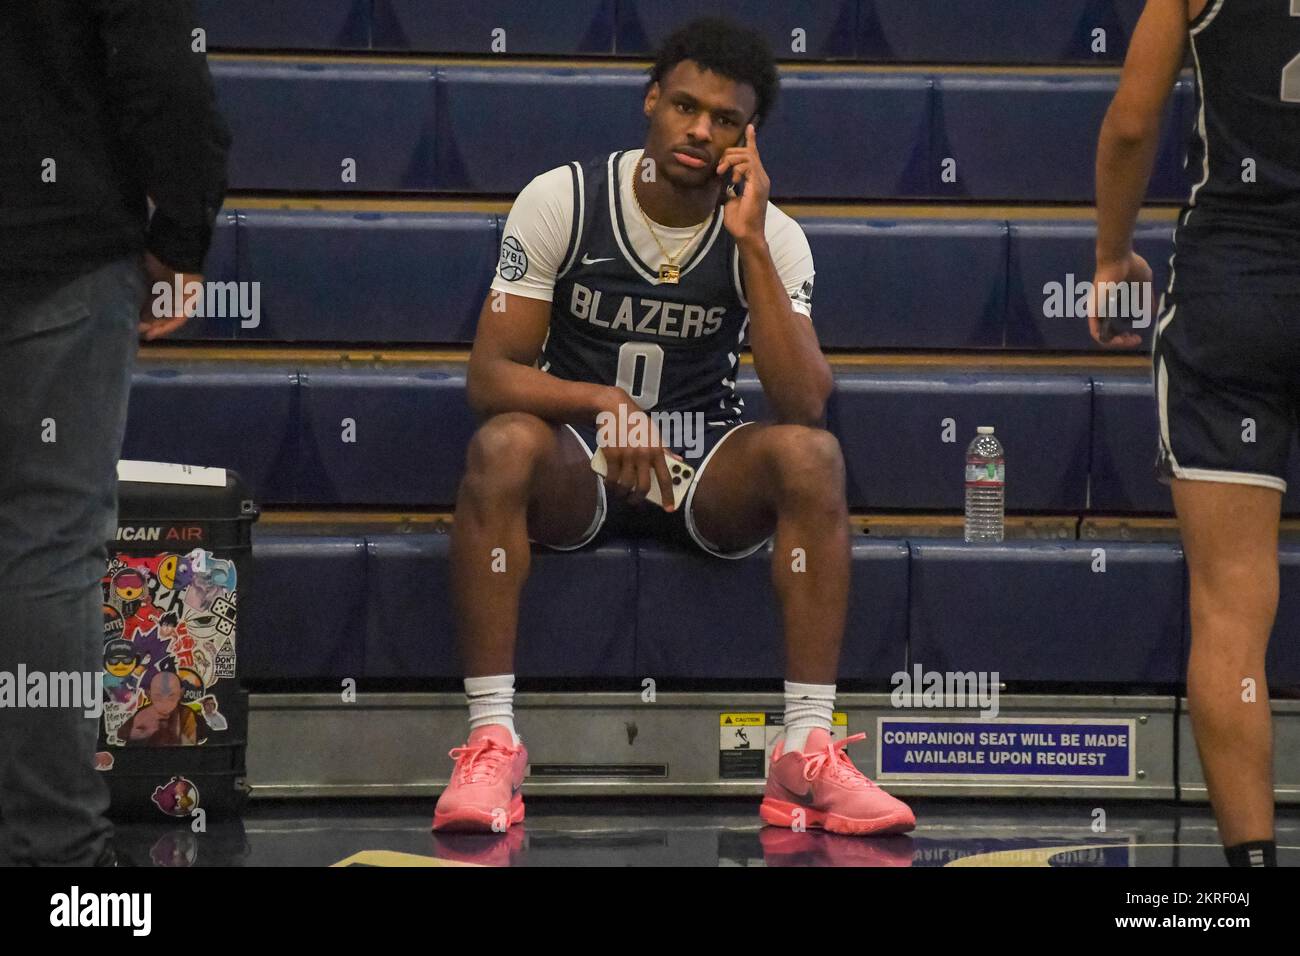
[
  {"x": 671, "y": 347},
  {"x": 1241, "y": 226}
]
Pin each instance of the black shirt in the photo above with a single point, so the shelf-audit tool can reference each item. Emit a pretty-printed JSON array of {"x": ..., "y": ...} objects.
[
  {"x": 1240, "y": 229},
  {"x": 102, "y": 103}
]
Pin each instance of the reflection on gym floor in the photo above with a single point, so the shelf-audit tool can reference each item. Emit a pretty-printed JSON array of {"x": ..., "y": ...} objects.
[{"x": 688, "y": 832}]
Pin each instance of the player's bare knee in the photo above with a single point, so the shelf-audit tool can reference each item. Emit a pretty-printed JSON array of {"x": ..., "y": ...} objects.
[
  {"x": 504, "y": 452},
  {"x": 806, "y": 465},
  {"x": 1227, "y": 575}
]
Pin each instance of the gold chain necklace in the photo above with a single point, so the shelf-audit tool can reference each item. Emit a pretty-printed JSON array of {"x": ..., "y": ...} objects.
[{"x": 669, "y": 272}]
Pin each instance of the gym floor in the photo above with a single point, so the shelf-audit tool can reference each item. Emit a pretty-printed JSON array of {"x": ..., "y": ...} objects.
[{"x": 697, "y": 832}]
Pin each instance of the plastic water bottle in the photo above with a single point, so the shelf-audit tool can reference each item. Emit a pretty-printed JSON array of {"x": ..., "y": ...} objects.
[{"x": 985, "y": 487}]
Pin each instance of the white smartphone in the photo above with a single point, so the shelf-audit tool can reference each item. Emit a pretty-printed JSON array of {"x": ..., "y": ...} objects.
[{"x": 680, "y": 473}]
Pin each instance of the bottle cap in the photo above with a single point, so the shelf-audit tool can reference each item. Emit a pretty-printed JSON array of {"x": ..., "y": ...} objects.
[{"x": 985, "y": 429}]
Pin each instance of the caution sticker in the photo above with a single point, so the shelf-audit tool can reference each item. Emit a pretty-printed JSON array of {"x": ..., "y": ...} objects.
[
  {"x": 746, "y": 742},
  {"x": 742, "y": 741}
]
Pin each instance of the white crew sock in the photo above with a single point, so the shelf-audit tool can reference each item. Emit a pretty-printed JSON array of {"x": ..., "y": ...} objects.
[
  {"x": 807, "y": 707},
  {"x": 491, "y": 701}
]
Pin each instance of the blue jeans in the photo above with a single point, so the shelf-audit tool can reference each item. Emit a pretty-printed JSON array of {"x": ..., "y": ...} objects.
[{"x": 66, "y": 357}]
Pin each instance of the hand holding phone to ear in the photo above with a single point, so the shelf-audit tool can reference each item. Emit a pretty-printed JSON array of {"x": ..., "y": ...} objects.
[
  {"x": 745, "y": 213},
  {"x": 731, "y": 189}
]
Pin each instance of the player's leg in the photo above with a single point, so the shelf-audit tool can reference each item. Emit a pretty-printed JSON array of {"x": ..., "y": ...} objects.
[
  {"x": 1230, "y": 539},
  {"x": 791, "y": 478},
  {"x": 524, "y": 477},
  {"x": 1224, "y": 373}
]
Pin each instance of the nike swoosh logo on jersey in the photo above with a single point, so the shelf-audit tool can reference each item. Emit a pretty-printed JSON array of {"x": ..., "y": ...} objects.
[{"x": 592, "y": 262}]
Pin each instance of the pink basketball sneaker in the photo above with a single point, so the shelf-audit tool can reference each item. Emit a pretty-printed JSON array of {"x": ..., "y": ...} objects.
[
  {"x": 820, "y": 787},
  {"x": 484, "y": 790}
]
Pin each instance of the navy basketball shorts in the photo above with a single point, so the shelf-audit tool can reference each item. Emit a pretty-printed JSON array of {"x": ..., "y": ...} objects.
[
  {"x": 1227, "y": 377},
  {"x": 615, "y": 517}
]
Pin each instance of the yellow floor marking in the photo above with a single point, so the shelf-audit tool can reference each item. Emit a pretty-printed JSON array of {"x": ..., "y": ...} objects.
[{"x": 394, "y": 858}]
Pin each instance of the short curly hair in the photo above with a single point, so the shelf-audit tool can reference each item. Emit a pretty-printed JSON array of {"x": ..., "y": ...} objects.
[{"x": 724, "y": 47}]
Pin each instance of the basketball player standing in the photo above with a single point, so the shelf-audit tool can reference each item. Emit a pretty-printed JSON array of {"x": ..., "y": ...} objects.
[{"x": 1226, "y": 355}]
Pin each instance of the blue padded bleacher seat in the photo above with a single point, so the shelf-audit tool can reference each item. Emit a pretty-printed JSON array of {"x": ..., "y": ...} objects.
[
  {"x": 412, "y": 427},
  {"x": 994, "y": 31},
  {"x": 908, "y": 284},
  {"x": 242, "y": 417},
  {"x": 1013, "y": 137},
  {"x": 1124, "y": 441},
  {"x": 704, "y": 617},
  {"x": 557, "y": 27},
  {"x": 1283, "y": 660},
  {"x": 295, "y": 24},
  {"x": 750, "y": 390},
  {"x": 222, "y": 266},
  {"x": 1291, "y": 500},
  {"x": 294, "y": 124},
  {"x": 422, "y": 278},
  {"x": 890, "y": 427},
  {"x": 828, "y": 25},
  {"x": 1034, "y": 138},
  {"x": 877, "y": 147},
  {"x": 498, "y": 128},
  {"x": 849, "y": 135},
  {"x": 308, "y": 618},
  {"x": 368, "y": 277},
  {"x": 1035, "y": 611},
  {"x": 577, "y": 613},
  {"x": 1043, "y": 252},
  {"x": 1125, "y": 434}
]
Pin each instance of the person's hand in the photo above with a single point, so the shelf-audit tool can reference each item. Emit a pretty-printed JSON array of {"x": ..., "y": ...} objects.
[
  {"x": 154, "y": 326},
  {"x": 631, "y": 464},
  {"x": 1132, "y": 269},
  {"x": 144, "y": 724},
  {"x": 746, "y": 217}
]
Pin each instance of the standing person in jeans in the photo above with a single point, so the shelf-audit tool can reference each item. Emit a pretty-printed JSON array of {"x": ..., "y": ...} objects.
[{"x": 106, "y": 106}]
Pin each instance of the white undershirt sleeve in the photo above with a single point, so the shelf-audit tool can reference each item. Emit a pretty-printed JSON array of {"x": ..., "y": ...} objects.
[
  {"x": 536, "y": 236},
  {"x": 792, "y": 257}
]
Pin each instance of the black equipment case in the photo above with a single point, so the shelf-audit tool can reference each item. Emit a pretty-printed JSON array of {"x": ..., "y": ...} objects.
[{"x": 174, "y": 729}]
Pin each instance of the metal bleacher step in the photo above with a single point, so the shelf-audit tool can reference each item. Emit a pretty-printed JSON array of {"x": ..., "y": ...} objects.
[
  {"x": 634, "y": 743},
  {"x": 610, "y": 744}
]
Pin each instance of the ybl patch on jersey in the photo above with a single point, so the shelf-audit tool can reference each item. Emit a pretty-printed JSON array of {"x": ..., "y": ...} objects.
[
  {"x": 804, "y": 295},
  {"x": 514, "y": 261}
]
